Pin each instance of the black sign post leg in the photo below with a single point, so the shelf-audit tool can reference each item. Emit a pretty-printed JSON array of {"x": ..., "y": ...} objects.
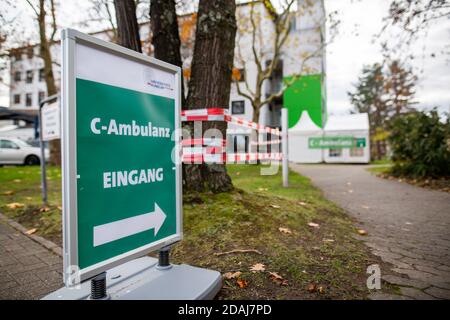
[
  {"x": 98, "y": 287},
  {"x": 164, "y": 259}
]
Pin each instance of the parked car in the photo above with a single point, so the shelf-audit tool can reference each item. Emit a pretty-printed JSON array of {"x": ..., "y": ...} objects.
[{"x": 16, "y": 151}]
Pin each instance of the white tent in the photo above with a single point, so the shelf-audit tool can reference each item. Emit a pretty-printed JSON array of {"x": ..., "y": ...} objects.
[
  {"x": 298, "y": 140},
  {"x": 354, "y": 127}
]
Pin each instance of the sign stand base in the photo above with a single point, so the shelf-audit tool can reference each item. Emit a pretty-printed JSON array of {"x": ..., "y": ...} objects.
[{"x": 140, "y": 279}]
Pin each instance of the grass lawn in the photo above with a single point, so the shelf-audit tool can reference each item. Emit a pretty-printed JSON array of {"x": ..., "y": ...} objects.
[
  {"x": 322, "y": 262},
  {"x": 385, "y": 161},
  {"x": 382, "y": 169}
]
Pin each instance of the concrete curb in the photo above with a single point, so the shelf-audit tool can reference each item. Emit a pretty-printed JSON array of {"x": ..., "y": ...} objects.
[{"x": 49, "y": 245}]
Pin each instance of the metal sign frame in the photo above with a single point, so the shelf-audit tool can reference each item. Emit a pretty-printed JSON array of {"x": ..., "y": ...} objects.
[{"x": 69, "y": 40}]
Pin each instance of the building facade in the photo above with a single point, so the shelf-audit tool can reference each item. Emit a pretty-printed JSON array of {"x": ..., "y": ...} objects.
[{"x": 302, "y": 54}]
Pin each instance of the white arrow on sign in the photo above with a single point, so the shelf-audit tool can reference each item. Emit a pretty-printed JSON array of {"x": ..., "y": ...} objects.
[{"x": 126, "y": 227}]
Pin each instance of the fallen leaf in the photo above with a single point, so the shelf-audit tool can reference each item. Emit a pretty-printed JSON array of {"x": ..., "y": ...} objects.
[
  {"x": 302, "y": 203},
  {"x": 362, "y": 232},
  {"x": 8, "y": 193},
  {"x": 15, "y": 205},
  {"x": 275, "y": 206},
  {"x": 275, "y": 277},
  {"x": 31, "y": 231},
  {"x": 258, "y": 267},
  {"x": 311, "y": 287},
  {"x": 285, "y": 230},
  {"x": 242, "y": 283},
  {"x": 232, "y": 275},
  {"x": 314, "y": 225}
]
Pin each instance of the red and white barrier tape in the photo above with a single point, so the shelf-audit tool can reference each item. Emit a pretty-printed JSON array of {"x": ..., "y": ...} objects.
[
  {"x": 251, "y": 124},
  {"x": 230, "y": 157},
  {"x": 203, "y": 150},
  {"x": 211, "y": 150},
  {"x": 204, "y": 158},
  {"x": 220, "y": 114},
  {"x": 265, "y": 143},
  {"x": 213, "y": 142},
  {"x": 211, "y": 114},
  {"x": 241, "y": 157}
]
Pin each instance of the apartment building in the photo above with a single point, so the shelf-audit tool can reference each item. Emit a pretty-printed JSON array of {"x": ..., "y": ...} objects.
[{"x": 303, "y": 53}]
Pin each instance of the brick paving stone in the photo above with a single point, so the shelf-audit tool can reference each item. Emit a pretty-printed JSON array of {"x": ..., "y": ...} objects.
[
  {"x": 405, "y": 281},
  {"x": 415, "y": 294},
  {"x": 407, "y": 226},
  {"x": 438, "y": 293},
  {"x": 385, "y": 296},
  {"x": 27, "y": 269}
]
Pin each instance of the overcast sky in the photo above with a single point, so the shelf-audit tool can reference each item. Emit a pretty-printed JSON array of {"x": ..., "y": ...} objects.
[
  {"x": 354, "y": 47},
  {"x": 346, "y": 55}
]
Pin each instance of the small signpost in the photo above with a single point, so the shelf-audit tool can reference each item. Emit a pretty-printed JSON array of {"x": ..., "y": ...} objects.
[
  {"x": 121, "y": 173},
  {"x": 51, "y": 127}
]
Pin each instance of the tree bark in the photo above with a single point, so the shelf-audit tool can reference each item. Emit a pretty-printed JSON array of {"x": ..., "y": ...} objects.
[
  {"x": 45, "y": 53},
  {"x": 127, "y": 26},
  {"x": 209, "y": 86},
  {"x": 165, "y": 35}
]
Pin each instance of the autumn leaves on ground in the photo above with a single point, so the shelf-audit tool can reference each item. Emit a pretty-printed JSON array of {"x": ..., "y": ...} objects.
[{"x": 268, "y": 242}]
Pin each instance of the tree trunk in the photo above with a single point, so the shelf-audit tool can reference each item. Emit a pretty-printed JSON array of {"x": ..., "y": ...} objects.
[
  {"x": 210, "y": 82},
  {"x": 127, "y": 26},
  {"x": 165, "y": 35},
  {"x": 45, "y": 53}
]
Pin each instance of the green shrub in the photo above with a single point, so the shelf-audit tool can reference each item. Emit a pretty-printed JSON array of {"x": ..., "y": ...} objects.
[{"x": 420, "y": 143}]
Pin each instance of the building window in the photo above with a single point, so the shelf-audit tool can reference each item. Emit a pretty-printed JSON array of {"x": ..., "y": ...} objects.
[
  {"x": 41, "y": 96},
  {"x": 18, "y": 56},
  {"x": 41, "y": 75},
  {"x": 16, "y": 98},
  {"x": 29, "y": 78},
  {"x": 293, "y": 24},
  {"x": 356, "y": 152},
  {"x": 238, "y": 107},
  {"x": 335, "y": 153},
  {"x": 30, "y": 53},
  {"x": 17, "y": 76},
  {"x": 29, "y": 99}
]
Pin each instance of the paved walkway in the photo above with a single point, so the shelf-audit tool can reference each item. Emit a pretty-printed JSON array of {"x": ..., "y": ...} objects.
[
  {"x": 407, "y": 226},
  {"x": 27, "y": 269}
]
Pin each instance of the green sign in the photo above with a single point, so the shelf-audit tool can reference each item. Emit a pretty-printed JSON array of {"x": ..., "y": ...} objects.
[
  {"x": 125, "y": 170},
  {"x": 336, "y": 142},
  {"x": 122, "y": 179}
]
